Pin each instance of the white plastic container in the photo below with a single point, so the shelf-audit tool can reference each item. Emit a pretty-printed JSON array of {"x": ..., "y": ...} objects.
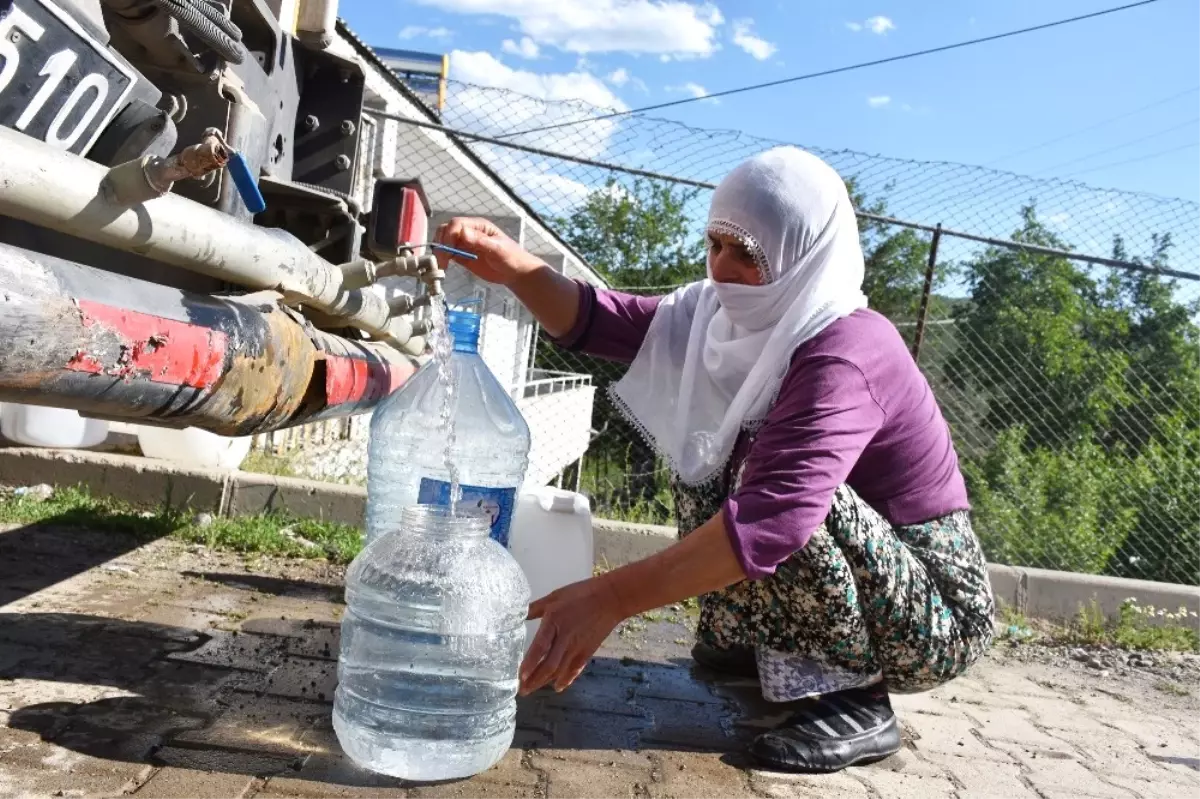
[
  {"x": 551, "y": 539},
  {"x": 38, "y": 426},
  {"x": 193, "y": 447}
]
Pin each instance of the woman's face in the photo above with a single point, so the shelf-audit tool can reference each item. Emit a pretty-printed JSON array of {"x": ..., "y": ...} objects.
[{"x": 731, "y": 262}]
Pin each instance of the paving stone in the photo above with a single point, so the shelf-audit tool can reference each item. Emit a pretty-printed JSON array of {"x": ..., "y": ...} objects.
[
  {"x": 982, "y": 779},
  {"x": 625, "y": 758},
  {"x": 677, "y": 684},
  {"x": 37, "y": 782},
  {"x": 598, "y": 732},
  {"x": 900, "y": 785},
  {"x": 965, "y": 693},
  {"x": 1059, "y": 714},
  {"x": 235, "y": 651},
  {"x": 178, "y": 783},
  {"x": 1017, "y": 685},
  {"x": 268, "y": 725},
  {"x": 804, "y": 786},
  {"x": 690, "y": 775},
  {"x": 227, "y": 761},
  {"x": 298, "y": 678},
  {"x": 1173, "y": 787},
  {"x": 926, "y": 704},
  {"x": 907, "y": 761},
  {"x": 583, "y": 780},
  {"x": 598, "y": 695},
  {"x": 1003, "y": 724},
  {"x": 950, "y": 736},
  {"x": 1110, "y": 752},
  {"x": 689, "y": 725},
  {"x": 1056, "y": 775},
  {"x": 508, "y": 778},
  {"x": 1162, "y": 739},
  {"x": 294, "y": 788}
]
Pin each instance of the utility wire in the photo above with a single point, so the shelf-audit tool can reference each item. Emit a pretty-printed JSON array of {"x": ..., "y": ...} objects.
[
  {"x": 1100, "y": 124},
  {"x": 1134, "y": 160},
  {"x": 838, "y": 70},
  {"x": 1130, "y": 143}
]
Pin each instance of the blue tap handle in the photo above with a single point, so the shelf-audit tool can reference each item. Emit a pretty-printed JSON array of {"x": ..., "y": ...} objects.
[
  {"x": 246, "y": 185},
  {"x": 470, "y": 256}
]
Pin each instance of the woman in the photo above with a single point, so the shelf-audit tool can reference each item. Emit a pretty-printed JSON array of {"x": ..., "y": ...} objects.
[{"x": 825, "y": 520}]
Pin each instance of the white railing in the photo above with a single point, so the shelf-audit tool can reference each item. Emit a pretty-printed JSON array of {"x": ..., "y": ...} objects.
[{"x": 545, "y": 381}]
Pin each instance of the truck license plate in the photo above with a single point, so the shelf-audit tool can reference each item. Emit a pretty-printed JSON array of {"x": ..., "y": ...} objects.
[{"x": 57, "y": 83}]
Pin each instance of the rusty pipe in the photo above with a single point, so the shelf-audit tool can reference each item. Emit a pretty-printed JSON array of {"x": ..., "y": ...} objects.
[
  {"x": 44, "y": 186},
  {"x": 150, "y": 176},
  {"x": 120, "y": 348}
]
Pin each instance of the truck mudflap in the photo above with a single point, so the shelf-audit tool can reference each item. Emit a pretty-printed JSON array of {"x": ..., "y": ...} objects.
[{"x": 119, "y": 348}]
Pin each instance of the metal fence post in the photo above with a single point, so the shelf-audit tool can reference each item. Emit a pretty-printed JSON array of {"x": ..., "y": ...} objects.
[{"x": 926, "y": 291}]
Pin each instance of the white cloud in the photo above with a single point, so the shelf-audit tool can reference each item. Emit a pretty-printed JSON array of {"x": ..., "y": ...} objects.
[
  {"x": 418, "y": 32},
  {"x": 743, "y": 37},
  {"x": 695, "y": 90},
  {"x": 621, "y": 77},
  {"x": 1060, "y": 220},
  {"x": 879, "y": 101},
  {"x": 526, "y": 48},
  {"x": 878, "y": 25},
  {"x": 474, "y": 108},
  {"x": 671, "y": 27}
]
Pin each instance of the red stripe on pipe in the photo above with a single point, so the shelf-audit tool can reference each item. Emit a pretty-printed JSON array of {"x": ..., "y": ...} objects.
[
  {"x": 153, "y": 348},
  {"x": 355, "y": 380}
]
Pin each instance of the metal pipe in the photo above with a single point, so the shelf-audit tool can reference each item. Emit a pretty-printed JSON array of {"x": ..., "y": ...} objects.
[
  {"x": 119, "y": 348},
  {"x": 926, "y": 292},
  {"x": 44, "y": 186}
]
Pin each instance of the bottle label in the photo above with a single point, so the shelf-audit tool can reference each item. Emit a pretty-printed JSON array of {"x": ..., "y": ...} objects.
[{"x": 496, "y": 502}]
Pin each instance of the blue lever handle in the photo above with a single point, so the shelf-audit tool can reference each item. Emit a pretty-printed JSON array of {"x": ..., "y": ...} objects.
[
  {"x": 246, "y": 185},
  {"x": 470, "y": 256}
]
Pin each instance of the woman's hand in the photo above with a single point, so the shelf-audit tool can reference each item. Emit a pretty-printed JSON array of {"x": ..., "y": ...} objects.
[
  {"x": 575, "y": 621},
  {"x": 501, "y": 260}
]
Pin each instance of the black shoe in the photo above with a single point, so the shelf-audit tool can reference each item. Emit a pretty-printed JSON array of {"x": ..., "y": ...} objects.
[
  {"x": 739, "y": 661},
  {"x": 832, "y": 732}
]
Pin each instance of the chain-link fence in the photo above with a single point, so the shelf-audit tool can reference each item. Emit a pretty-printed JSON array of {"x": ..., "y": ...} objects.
[{"x": 1056, "y": 322}]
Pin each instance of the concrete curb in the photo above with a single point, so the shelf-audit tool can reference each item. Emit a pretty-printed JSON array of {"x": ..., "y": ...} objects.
[{"x": 1035, "y": 592}]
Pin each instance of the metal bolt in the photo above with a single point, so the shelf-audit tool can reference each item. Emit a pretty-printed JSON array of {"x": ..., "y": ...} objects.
[
  {"x": 342, "y": 162},
  {"x": 347, "y": 127},
  {"x": 14, "y": 37},
  {"x": 311, "y": 122}
]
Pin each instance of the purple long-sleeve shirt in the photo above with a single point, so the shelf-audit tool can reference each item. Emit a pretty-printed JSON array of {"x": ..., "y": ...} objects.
[{"x": 853, "y": 408}]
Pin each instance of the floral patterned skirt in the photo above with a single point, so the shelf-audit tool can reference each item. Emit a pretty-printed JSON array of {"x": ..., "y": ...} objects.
[{"x": 863, "y": 601}]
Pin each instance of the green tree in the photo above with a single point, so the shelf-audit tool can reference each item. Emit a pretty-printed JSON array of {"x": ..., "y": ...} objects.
[{"x": 1099, "y": 372}]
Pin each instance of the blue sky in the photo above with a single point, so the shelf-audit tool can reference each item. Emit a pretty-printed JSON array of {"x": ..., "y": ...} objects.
[{"x": 981, "y": 105}]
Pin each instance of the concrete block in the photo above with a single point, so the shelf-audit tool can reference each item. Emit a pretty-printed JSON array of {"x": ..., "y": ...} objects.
[
  {"x": 1008, "y": 586},
  {"x": 699, "y": 776},
  {"x": 1060, "y": 595},
  {"x": 618, "y": 543},
  {"x": 179, "y": 783},
  {"x": 261, "y": 493},
  {"x": 141, "y": 481}
]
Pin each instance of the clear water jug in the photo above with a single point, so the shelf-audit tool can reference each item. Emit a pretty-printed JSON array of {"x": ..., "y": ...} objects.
[
  {"x": 432, "y": 640},
  {"x": 552, "y": 541},
  {"x": 406, "y": 460}
]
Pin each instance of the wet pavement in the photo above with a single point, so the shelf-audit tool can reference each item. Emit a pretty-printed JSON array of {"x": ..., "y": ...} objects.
[{"x": 168, "y": 671}]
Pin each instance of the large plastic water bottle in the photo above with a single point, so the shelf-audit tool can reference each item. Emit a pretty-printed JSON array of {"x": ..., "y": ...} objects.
[
  {"x": 406, "y": 461},
  {"x": 432, "y": 639}
]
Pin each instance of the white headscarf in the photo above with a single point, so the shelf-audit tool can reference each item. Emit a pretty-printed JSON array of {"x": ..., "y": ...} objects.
[{"x": 716, "y": 353}]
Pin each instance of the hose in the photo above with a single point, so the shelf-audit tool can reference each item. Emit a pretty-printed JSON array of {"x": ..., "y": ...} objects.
[{"x": 224, "y": 38}]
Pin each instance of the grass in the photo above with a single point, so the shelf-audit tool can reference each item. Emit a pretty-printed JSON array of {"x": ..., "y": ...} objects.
[
  {"x": 1133, "y": 628},
  {"x": 263, "y": 534},
  {"x": 1174, "y": 689},
  {"x": 262, "y": 462}
]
